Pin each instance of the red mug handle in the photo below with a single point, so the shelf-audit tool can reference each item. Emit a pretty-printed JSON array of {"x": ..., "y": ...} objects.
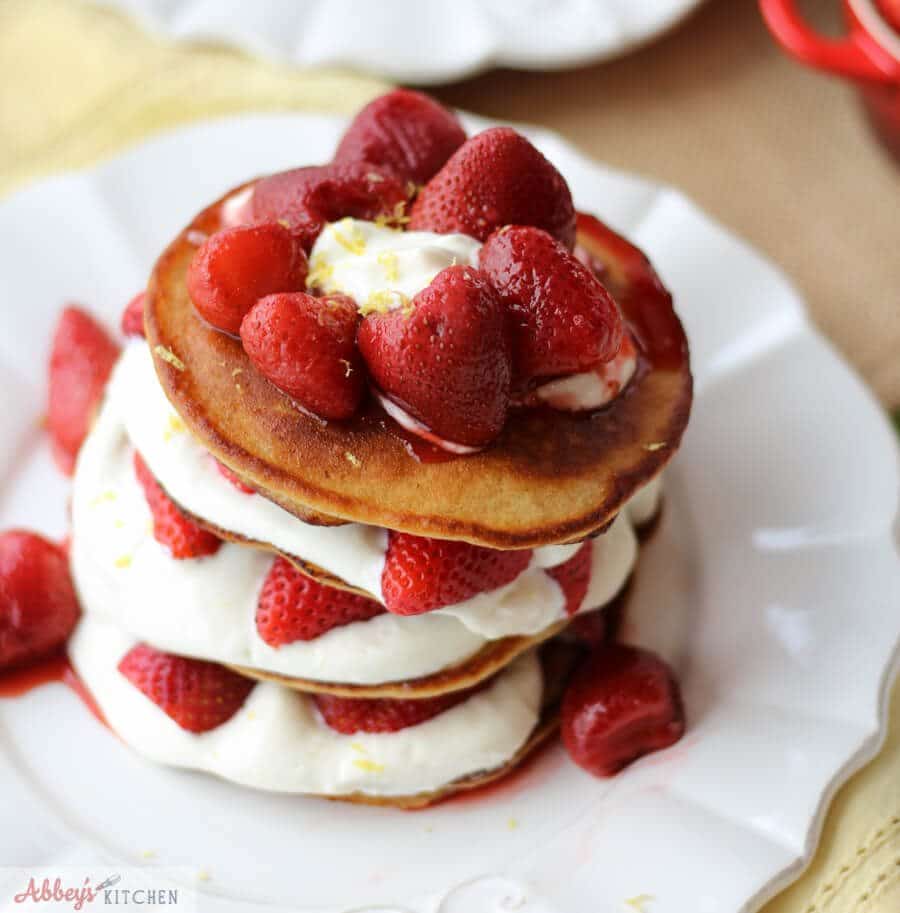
[{"x": 856, "y": 55}]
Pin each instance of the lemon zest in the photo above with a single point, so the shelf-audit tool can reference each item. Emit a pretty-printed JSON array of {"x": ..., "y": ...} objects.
[{"x": 168, "y": 356}]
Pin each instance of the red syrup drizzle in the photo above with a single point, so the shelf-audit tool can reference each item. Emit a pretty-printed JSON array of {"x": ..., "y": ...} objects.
[{"x": 57, "y": 668}]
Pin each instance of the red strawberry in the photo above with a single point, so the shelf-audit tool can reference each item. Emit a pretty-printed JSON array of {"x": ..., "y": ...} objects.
[
  {"x": 81, "y": 361},
  {"x": 407, "y": 134},
  {"x": 237, "y": 266},
  {"x": 38, "y": 606},
  {"x": 561, "y": 318},
  {"x": 197, "y": 695},
  {"x": 306, "y": 346},
  {"x": 295, "y": 607},
  {"x": 307, "y": 198},
  {"x": 352, "y": 715},
  {"x": 445, "y": 358},
  {"x": 622, "y": 703},
  {"x": 494, "y": 179},
  {"x": 422, "y": 574},
  {"x": 133, "y": 316},
  {"x": 226, "y": 473},
  {"x": 574, "y": 576},
  {"x": 171, "y": 528}
]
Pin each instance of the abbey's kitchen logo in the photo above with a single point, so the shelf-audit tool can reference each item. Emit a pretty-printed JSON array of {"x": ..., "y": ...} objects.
[{"x": 78, "y": 889}]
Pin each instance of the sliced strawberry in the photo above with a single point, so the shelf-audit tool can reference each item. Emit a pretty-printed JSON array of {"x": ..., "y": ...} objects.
[
  {"x": 232, "y": 477},
  {"x": 133, "y": 316},
  {"x": 562, "y": 319},
  {"x": 293, "y": 606},
  {"x": 197, "y": 695},
  {"x": 622, "y": 703},
  {"x": 171, "y": 528},
  {"x": 405, "y": 133},
  {"x": 81, "y": 360},
  {"x": 573, "y": 576},
  {"x": 38, "y": 606},
  {"x": 352, "y": 715},
  {"x": 237, "y": 266},
  {"x": 422, "y": 574},
  {"x": 307, "y": 198},
  {"x": 445, "y": 358},
  {"x": 494, "y": 179},
  {"x": 306, "y": 346}
]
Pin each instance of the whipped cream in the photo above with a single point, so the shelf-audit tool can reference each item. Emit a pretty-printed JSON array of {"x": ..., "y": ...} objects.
[
  {"x": 382, "y": 268},
  {"x": 206, "y": 607},
  {"x": 277, "y": 740}
]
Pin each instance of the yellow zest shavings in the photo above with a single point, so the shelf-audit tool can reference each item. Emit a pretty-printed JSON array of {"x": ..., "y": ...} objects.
[
  {"x": 203, "y": 875},
  {"x": 387, "y": 260},
  {"x": 639, "y": 902},
  {"x": 149, "y": 854},
  {"x": 374, "y": 177},
  {"x": 396, "y": 220},
  {"x": 123, "y": 562},
  {"x": 237, "y": 371},
  {"x": 119, "y": 523},
  {"x": 105, "y": 497},
  {"x": 251, "y": 714},
  {"x": 168, "y": 356},
  {"x": 513, "y": 824},
  {"x": 368, "y": 766},
  {"x": 175, "y": 426},
  {"x": 284, "y": 223},
  {"x": 385, "y": 300},
  {"x": 349, "y": 237},
  {"x": 352, "y": 459},
  {"x": 656, "y": 445},
  {"x": 320, "y": 272}
]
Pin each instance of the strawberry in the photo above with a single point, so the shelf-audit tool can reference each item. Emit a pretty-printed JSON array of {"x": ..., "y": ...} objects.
[
  {"x": 197, "y": 695},
  {"x": 38, "y": 606},
  {"x": 573, "y": 576},
  {"x": 407, "y": 134},
  {"x": 232, "y": 477},
  {"x": 445, "y": 358},
  {"x": 171, "y": 528},
  {"x": 81, "y": 360},
  {"x": 306, "y": 346},
  {"x": 562, "y": 320},
  {"x": 237, "y": 266},
  {"x": 422, "y": 574},
  {"x": 294, "y": 607},
  {"x": 352, "y": 715},
  {"x": 494, "y": 179},
  {"x": 133, "y": 316},
  {"x": 622, "y": 703},
  {"x": 307, "y": 198}
]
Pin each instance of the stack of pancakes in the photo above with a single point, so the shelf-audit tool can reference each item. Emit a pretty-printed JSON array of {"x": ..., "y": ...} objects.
[{"x": 323, "y": 497}]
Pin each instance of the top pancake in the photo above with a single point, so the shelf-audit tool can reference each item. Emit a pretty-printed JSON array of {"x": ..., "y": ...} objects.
[{"x": 550, "y": 477}]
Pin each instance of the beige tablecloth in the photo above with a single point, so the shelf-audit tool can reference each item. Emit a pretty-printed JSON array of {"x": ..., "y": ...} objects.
[{"x": 779, "y": 154}]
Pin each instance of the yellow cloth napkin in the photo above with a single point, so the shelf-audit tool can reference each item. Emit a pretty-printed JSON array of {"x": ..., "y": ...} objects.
[{"x": 77, "y": 84}]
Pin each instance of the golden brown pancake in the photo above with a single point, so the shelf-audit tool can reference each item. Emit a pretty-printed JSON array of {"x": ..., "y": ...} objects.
[{"x": 550, "y": 477}]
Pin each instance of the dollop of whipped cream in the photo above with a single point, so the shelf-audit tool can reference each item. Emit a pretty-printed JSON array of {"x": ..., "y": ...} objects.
[
  {"x": 380, "y": 267},
  {"x": 277, "y": 740}
]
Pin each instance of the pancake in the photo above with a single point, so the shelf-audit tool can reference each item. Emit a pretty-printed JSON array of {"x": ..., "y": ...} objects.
[{"x": 550, "y": 477}]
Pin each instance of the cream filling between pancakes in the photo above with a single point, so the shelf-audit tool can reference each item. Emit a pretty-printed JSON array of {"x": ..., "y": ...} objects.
[{"x": 277, "y": 740}]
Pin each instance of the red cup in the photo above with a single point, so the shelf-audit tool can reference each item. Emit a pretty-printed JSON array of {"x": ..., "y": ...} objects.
[{"x": 869, "y": 54}]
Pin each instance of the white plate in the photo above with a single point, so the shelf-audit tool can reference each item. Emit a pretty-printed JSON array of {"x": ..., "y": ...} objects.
[
  {"x": 777, "y": 548},
  {"x": 419, "y": 41}
]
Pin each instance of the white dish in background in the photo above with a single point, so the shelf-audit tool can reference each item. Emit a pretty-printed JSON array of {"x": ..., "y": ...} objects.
[
  {"x": 417, "y": 41},
  {"x": 773, "y": 584}
]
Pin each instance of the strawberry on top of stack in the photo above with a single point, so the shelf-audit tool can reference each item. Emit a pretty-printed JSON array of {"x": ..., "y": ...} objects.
[{"x": 421, "y": 281}]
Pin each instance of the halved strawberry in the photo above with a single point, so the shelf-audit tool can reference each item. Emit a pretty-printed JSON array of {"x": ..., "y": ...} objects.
[
  {"x": 494, "y": 179},
  {"x": 407, "y": 134},
  {"x": 445, "y": 358},
  {"x": 293, "y": 606},
  {"x": 352, "y": 715},
  {"x": 171, "y": 528},
  {"x": 232, "y": 477},
  {"x": 38, "y": 605},
  {"x": 562, "y": 319},
  {"x": 422, "y": 574},
  {"x": 622, "y": 703},
  {"x": 197, "y": 695},
  {"x": 81, "y": 360},
  {"x": 236, "y": 266},
  {"x": 574, "y": 576},
  {"x": 133, "y": 316},
  {"x": 307, "y": 198},
  {"x": 306, "y": 346}
]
